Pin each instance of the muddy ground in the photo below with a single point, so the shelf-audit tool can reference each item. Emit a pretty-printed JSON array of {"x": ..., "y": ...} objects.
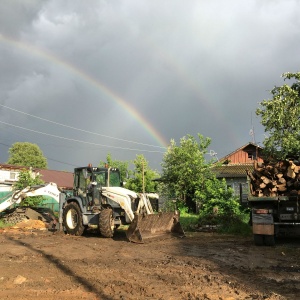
[{"x": 37, "y": 264}]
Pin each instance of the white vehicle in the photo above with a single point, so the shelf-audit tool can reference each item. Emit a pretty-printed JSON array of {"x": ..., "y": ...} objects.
[
  {"x": 17, "y": 196},
  {"x": 100, "y": 201}
]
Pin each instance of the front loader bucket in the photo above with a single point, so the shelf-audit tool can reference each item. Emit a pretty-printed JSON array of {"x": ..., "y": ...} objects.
[{"x": 153, "y": 225}]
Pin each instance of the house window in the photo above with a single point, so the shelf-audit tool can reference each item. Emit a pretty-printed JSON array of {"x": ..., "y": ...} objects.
[
  {"x": 252, "y": 155},
  {"x": 13, "y": 176}
]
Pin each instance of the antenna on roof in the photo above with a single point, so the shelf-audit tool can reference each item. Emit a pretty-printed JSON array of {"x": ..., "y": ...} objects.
[
  {"x": 214, "y": 154},
  {"x": 251, "y": 132}
]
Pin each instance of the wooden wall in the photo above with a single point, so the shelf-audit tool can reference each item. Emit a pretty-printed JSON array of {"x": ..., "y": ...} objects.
[{"x": 246, "y": 155}]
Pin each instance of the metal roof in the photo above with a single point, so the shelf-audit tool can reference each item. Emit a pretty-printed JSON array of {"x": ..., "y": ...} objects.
[
  {"x": 63, "y": 179},
  {"x": 232, "y": 170}
]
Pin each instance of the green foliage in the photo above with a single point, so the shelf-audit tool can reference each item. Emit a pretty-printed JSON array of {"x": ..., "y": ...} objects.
[
  {"x": 228, "y": 215},
  {"x": 135, "y": 179},
  {"x": 171, "y": 204},
  {"x": 280, "y": 117},
  {"x": 236, "y": 225},
  {"x": 187, "y": 175},
  {"x": 184, "y": 168},
  {"x": 231, "y": 224},
  {"x": 3, "y": 224},
  {"x": 26, "y": 179},
  {"x": 218, "y": 197},
  {"x": 121, "y": 165},
  {"x": 220, "y": 207},
  {"x": 223, "y": 209},
  {"x": 188, "y": 221},
  {"x": 27, "y": 155},
  {"x": 143, "y": 176}
]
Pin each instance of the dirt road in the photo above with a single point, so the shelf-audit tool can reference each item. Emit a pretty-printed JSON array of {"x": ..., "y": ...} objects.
[{"x": 42, "y": 265}]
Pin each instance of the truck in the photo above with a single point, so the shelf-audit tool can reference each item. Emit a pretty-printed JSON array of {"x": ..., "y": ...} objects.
[
  {"x": 274, "y": 201},
  {"x": 100, "y": 201}
]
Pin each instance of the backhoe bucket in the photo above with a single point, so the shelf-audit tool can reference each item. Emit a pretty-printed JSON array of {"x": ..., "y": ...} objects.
[{"x": 153, "y": 225}]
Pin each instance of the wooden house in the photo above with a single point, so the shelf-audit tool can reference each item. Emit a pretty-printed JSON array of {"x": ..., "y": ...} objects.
[{"x": 234, "y": 165}]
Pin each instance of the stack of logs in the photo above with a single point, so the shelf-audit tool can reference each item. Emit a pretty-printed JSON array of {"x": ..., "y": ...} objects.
[{"x": 281, "y": 178}]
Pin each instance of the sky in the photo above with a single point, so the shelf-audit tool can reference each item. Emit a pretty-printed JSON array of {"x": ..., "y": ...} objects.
[{"x": 82, "y": 79}]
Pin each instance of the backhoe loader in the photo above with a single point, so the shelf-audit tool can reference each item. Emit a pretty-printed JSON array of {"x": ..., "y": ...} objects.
[
  {"x": 17, "y": 196},
  {"x": 99, "y": 201}
]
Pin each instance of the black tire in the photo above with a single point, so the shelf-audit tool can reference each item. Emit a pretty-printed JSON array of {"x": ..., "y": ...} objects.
[
  {"x": 258, "y": 239},
  {"x": 269, "y": 240},
  {"x": 106, "y": 223},
  {"x": 72, "y": 219}
]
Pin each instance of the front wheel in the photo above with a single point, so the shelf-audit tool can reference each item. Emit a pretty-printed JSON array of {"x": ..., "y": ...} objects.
[
  {"x": 106, "y": 223},
  {"x": 72, "y": 219}
]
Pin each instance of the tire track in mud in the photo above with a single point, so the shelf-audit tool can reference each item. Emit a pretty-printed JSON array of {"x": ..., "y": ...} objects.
[
  {"x": 200, "y": 266},
  {"x": 268, "y": 269}
]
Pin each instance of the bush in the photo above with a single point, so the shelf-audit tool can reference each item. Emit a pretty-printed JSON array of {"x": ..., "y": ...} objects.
[
  {"x": 26, "y": 179},
  {"x": 228, "y": 223},
  {"x": 228, "y": 215}
]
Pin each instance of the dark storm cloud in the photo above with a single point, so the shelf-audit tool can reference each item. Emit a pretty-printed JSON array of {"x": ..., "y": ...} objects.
[
  {"x": 185, "y": 67},
  {"x": 18, "y": 15}
]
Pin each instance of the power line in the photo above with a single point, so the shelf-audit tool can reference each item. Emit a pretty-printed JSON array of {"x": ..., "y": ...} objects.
[
  {"x": 48, "y": 158},
  {"x": 82, "y": 130},
  {"x": 80, "y": 141},
  {"x": 61, "y": 162},
  {"x": 4, "y": 145}
]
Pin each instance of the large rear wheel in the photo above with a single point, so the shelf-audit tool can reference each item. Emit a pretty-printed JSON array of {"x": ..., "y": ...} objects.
[
  {"x": 106, "y": 223},
  {"x": 72, "y": 219}
]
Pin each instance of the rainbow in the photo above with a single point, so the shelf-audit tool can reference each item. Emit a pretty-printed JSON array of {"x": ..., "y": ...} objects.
[
  {"x": 131, "y": 110},
  {"x": 179, "y": 69}
]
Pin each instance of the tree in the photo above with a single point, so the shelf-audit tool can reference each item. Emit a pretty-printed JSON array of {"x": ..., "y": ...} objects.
[
  {"x": 185, "y": 170},
  {"x": 25, "y": 179},
  {"x": 27, "y": 154},
  {"x": 142, "y": 180},
  {"x": 188, "y": 175},
  {"x": 121, "y": 165},
  {"x": 280, "y": 117}
]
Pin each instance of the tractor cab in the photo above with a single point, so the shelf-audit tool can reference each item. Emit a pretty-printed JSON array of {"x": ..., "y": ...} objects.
[{"x": 88, "y": 182}]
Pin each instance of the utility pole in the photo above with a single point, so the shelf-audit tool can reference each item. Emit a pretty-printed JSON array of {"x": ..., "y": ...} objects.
[{"x": 143, "y": 176}]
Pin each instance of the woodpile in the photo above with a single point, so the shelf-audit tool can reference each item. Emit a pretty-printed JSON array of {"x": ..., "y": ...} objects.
[{"x": 272, "y": 179}]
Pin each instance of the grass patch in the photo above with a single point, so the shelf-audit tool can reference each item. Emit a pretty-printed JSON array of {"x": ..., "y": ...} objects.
[
  {"x": 237, "y": 224},
  {"x": 236, "y": 227},
  {"x": 4, "y": 225},
  {"x": 188, "y": 221},
  {"x": 233, "y": 224}
]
